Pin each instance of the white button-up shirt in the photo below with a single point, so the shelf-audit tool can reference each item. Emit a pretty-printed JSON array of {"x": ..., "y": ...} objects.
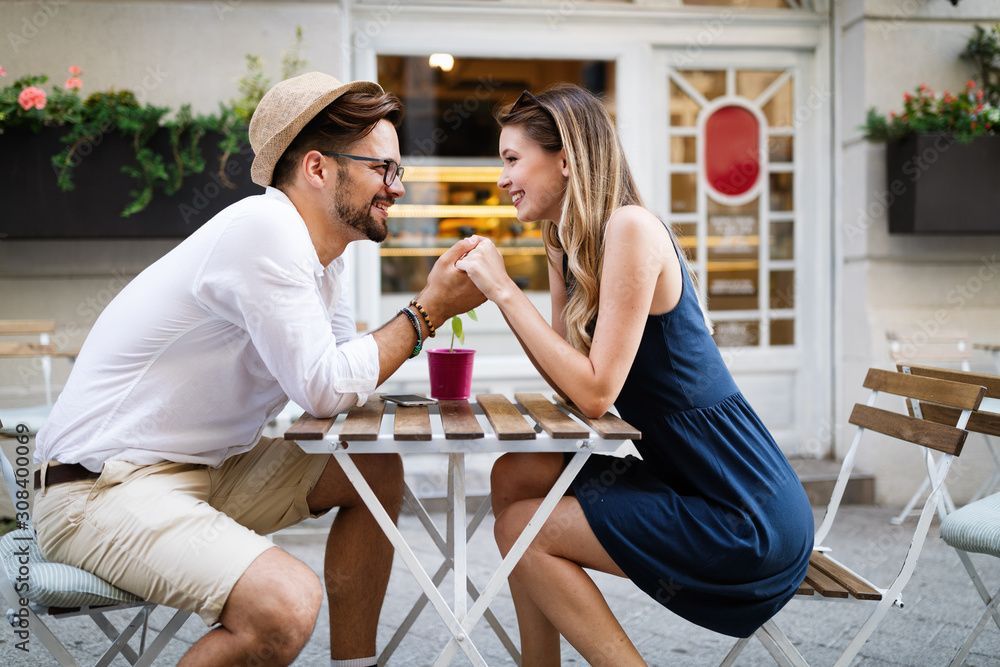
[{"x": 204, "y": 347}]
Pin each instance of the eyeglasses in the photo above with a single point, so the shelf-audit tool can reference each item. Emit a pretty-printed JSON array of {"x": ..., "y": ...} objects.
[{"x": 392, "y": 168}]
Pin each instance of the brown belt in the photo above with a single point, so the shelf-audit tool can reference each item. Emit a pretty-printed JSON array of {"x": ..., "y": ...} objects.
[{"x": 64, "y": 472}]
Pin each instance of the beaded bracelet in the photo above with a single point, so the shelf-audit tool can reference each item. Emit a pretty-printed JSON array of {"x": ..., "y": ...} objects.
[
  {"x": 427, "y": 318},
  {"x": 416, "y": 325}
]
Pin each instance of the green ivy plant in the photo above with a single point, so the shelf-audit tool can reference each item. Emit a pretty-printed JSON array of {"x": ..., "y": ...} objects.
[
  {"x": 971, "y": 113},
  {"x": 458, "y": 331},
  {"x": 25, "y": 104}
]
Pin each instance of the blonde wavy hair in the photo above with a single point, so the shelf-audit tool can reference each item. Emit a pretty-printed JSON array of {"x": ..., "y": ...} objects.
[{"x": 567, "y": 117}]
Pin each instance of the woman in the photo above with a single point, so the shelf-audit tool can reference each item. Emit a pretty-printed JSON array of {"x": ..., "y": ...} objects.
[{"x": 712, "y": 522}]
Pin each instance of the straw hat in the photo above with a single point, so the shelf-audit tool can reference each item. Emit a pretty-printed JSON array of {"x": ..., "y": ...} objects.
[{"x": 286, "y": 109}]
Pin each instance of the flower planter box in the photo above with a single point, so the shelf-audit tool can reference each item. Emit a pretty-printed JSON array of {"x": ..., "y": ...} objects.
[
  {"x": 35, "y": 208},
  {"x": 937, "y": 185}
]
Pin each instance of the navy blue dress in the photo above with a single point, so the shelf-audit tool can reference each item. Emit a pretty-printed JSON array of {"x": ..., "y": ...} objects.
[{"x": 712, "y": 522}]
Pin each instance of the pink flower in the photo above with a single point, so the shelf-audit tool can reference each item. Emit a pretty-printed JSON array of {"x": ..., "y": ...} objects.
[
  {"x": 3, "y": 72},
  {"x": 970, "y": 84},
  {"x": 907, "y": 97},
  {"x": 32, "y": 97},
  {"x": 979, "y": 95},
  {"x": 73, "y": 83},
  {"x": 74, "y": 70}
]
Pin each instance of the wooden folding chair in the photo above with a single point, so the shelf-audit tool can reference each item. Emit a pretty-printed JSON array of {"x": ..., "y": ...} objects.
[
  {"x": 55, "y": 590},
  {"x": 949, "y": 350},
  {"x": 829, "y": 580},
  {"x": 976, "y": 527},
  {"x": 40, "y": 346}
]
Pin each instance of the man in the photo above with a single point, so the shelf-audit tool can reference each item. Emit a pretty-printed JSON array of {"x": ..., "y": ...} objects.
[{"x": 153, "y": 472}]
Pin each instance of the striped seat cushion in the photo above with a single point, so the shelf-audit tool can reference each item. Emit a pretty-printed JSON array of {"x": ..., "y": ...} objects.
[
  {"x": 975, "y": 527},
  {"x": 53, "y": 584}
]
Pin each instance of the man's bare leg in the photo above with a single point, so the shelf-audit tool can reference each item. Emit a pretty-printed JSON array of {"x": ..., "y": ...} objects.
[
  {"x": 358, "y": 555},
  {"x": 267, "y": 619}
]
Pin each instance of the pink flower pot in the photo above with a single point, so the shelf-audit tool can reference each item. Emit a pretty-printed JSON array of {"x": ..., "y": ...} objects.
[{"x": 451, "y": 373}]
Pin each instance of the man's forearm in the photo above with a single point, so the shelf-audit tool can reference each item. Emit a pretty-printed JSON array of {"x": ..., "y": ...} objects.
[{"x": 395, "y": 340}]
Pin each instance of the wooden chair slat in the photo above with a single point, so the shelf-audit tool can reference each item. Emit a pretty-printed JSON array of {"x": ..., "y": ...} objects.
[
  {"x": 991, "y": 382},
  {"x": 26, "y": 327},
  {"x": 943, "y": 438},
  {"x": 549, "y": 417},
  {"x": 308, "y": 427},
  {"x": 459, "y": 421},
  {"x": 26, "y": 350},
  {"x": 412, "y": 423},
  {"x": 956, "y": 394},
  {"x": 945, "y": 357},
  {"x": 843, "y": 576},
  {"x": 989, "y": 347},
  {"x": 979, "y": 422},
  {"x": 805, "y": 588},
  {"x": 609, "y": 427},
  {"x": 363, "y": 423},
  {"x": 505, "y": 418},
  {"x": 825, "y": 585}
]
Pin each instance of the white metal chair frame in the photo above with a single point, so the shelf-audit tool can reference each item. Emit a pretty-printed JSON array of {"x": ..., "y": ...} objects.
[
  {"x": 962, "y": 357},
  {"x": 992, "y": 609},
  {"x": 992, "y": 602},
  {"x": 773, "y": 638},
  {"x": 120, "y": 639}
]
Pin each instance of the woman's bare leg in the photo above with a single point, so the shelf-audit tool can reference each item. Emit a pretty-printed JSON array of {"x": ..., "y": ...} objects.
[
  {"x": 518, "y": 477},
  {"x": 551, "y": 576}
]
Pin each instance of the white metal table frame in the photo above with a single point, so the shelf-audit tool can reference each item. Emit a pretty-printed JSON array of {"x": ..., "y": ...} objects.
[{"x": 460, "y": 618}]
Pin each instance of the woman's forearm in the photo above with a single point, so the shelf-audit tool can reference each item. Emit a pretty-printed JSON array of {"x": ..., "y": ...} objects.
[
  {"x": 563, "y": 367},
  {"x": 534, "y": 362}
]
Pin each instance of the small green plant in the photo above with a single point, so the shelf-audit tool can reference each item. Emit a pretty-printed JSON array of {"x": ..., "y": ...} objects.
[{"x": 457, "y": 330}]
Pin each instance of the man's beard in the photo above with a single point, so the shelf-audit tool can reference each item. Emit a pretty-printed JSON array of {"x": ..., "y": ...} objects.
[{"x": 360, "y": 218}]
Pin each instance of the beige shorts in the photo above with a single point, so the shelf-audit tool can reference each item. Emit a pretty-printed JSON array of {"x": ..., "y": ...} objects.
[{"x": 178, "y": 534}]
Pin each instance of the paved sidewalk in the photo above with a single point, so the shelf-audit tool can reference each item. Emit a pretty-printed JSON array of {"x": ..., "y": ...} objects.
[{"x": 941, "y": 607}]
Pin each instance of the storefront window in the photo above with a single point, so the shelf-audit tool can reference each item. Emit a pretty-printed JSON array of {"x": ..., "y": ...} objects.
[
  {"x": 757, "y": 4},
  {"x": 732, "y": 197},
  {"x": 448, "y": 140}
]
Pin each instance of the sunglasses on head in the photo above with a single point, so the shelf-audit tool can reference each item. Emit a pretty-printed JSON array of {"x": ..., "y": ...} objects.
[{"x": 526, "y": 99}]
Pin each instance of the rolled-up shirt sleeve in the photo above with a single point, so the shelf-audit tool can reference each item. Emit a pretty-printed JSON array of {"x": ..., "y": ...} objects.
[{"x": 261, "y": 277}]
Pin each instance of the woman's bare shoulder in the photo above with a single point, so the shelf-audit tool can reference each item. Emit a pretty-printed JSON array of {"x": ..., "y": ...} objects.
[{"x": 633, "y": 223}]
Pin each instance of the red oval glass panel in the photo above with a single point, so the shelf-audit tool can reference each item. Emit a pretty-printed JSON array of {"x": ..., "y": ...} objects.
[{"x": 732, "y": 150}]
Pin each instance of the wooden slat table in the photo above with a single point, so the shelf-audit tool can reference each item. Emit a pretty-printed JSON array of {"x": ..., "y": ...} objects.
[{"x": 490, "y": 424}]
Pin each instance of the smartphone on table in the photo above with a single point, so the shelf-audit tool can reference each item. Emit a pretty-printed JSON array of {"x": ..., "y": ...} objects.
[{"x": 408, "y": 400}]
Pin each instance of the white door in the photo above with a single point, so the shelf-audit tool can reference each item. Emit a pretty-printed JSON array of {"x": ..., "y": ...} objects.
[{"x": 746, "y": 191}]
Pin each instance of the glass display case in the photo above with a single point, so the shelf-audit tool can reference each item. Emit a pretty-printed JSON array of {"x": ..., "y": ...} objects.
[
  {"x": 446, "y": 202},
  {"x": 449, "y": 143}
]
